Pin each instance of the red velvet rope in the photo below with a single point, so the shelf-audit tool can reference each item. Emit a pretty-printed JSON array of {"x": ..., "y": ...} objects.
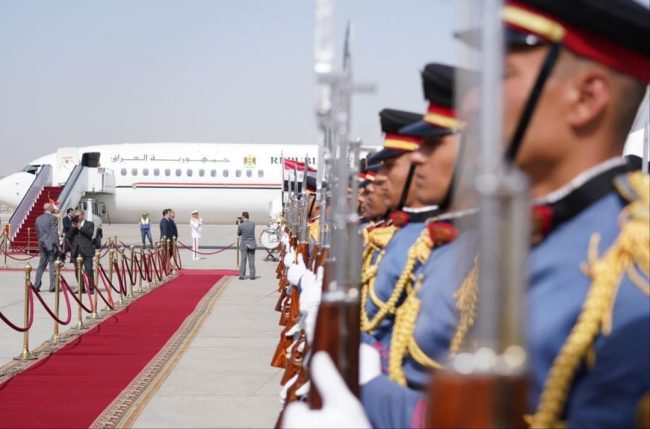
[
  {"x": 74, "y": 296},
  {"x": 14, "y": 258},
  {"x": 154, "y": 267},
  {"x": 122, "y": 280},
  {"x": 109, "y": 303},
  {"x": 30, "y": 320},
  {"x": 49, "y": 310},
  {"x": 184, "y": 246}
]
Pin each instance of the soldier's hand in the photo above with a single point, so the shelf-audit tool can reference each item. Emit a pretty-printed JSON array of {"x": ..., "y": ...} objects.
[
  {"x": 290, "y": 257},
  {"x": 296, "y": 271},
  {"x": 341, "y": 409},
  {"x": 369, "y": 363}
]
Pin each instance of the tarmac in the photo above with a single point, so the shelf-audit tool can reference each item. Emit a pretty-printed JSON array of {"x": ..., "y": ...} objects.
[{"x": 224, "y": 379}]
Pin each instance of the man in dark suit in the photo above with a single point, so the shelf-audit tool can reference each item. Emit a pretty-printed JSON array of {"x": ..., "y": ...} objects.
[
  {"x": 67, "y": 226},
  {"x": 165, "y": 230},
  {"x": 81, "y": 238},
  {"x": 247, "y": 245},
  {"x": 48, "y": 245}
]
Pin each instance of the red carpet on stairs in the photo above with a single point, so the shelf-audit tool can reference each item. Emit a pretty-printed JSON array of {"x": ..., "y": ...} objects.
[{"x": 71, "y": 387}]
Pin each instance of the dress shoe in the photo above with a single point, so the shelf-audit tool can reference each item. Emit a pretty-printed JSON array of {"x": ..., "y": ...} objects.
[
  {"x": 52, "y": 290},
  {"x": 242, "y": 278}
]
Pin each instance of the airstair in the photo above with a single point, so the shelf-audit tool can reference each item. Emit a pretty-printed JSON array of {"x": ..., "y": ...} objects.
[{"x": 82, "y": 181}]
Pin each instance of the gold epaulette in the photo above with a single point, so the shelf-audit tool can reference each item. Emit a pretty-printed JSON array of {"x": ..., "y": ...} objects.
[
  {"x": 466, "y": 298},
  {"x": 415, "y": 253},
  {"x": 314, "y": 230},
  {"x": 402, "y": 341},
  {"x": 629, "y": 254}
]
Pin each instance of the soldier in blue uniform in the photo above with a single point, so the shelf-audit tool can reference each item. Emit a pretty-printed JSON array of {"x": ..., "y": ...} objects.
[
  {"x": 575, "y": 74},
  {"x": 589, "y": 316},
  {"x": 384, "y": 256}
]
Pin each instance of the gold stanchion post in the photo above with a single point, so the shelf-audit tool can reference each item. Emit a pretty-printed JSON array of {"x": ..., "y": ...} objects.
[
  {"x": 169, "y": 256},
  {"x": 140, "y": 275},
  {"x": 238, "y": 252},
  {"x": 6, "y": 245},
  {"x": 95, "y": 313},
  {"x": 130, "y": 277},
  {"x": 111, "y": 258},
  {"x": 122, "y": 275},
  {"x": 80, "y": 321},
  {"x": 26, "y": 354},
  {"x": 58, "y": 265},
  {"x": 153, "y": 255}
]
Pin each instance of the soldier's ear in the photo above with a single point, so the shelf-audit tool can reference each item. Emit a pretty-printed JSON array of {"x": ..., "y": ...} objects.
[{"x": 589, "y": 96}]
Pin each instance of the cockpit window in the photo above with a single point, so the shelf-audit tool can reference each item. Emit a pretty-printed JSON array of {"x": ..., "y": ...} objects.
[{"x": 32, "y": 169}]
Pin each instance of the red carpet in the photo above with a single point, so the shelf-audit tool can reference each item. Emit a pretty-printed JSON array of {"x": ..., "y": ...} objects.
[{"x": 71, "y": 387}]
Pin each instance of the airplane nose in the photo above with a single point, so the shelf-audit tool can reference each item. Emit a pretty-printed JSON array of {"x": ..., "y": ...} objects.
[{"x": 14, "y": 187}]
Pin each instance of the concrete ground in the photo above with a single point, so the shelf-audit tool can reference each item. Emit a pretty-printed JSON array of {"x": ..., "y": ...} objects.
[{"x": 224, "y": 375}]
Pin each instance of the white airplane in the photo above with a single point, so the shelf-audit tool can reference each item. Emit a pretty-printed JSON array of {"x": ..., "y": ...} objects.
[{"x": 219, "y": 180}]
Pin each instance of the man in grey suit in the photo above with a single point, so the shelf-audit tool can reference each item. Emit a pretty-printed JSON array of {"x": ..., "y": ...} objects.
[
  {"x": 48, "y": 245},
  {"x": 247, "y": 245}
]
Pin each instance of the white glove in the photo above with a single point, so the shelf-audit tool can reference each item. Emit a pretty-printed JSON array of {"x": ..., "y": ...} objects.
[
  {"x": 285, "y": 240},
  {"x": 290, "y": 257},
  {"x": 310, "y": 300},
  {"x": 285, "y": 388},
  {"x": 296, "y": 271},
  {"x": 369, "y": 363},
  {"x": 295, "y": 328},
  {"x": 341, "y": 409}
]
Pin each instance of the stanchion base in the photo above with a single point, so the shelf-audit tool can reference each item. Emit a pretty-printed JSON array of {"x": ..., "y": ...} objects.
[
  {"x": 25, "y": 355},
  {"x": 93, "y": 316},
  {"x": 80, "y": 326},
  {"x": 55, "y": 339}
]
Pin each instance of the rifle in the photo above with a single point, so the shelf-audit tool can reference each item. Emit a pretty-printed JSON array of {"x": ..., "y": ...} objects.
[
  {"x": 337, "y": 324},
  {"x": 490, "y": 372}
]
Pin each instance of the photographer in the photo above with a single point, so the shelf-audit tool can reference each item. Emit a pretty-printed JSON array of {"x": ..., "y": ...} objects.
[
  {"x": 247, "y": 245},
  {"x": 81, "y": 236}
]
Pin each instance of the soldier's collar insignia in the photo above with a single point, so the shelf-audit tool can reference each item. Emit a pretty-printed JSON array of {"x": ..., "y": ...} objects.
[{"x": 399, "y": 218}]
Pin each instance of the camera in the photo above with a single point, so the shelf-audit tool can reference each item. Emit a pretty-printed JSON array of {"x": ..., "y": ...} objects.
[
  {"x": 238, "y": 220},
  {"x": 75, "y": 219}
]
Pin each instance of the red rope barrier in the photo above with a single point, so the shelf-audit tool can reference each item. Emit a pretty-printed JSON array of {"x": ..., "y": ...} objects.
[
  {"x": 31, "y": 316},
  {"x": 86, "y": 309},
  {"x": 107, "y": 281},
  {"x": 47, "y": 308},
  {"x": 185, "y": 247},
  {"x": 9, "y": 255},
  {"x": 155, "y": 268},
  {"x": 110, "y": 304},
  {"x": 121, "y": 280}
]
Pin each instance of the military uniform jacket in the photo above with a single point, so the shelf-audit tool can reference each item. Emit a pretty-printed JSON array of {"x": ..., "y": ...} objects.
[{"x": 597, "y": 260}]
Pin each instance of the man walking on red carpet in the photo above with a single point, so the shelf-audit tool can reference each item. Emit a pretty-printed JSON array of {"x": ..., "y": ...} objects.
[{"x": 48, "y": 245}]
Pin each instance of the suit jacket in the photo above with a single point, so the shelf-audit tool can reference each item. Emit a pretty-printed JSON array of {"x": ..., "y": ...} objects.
[
  {"x": 82, "y": 240},
  {"x": 67, "y": 224},
  {"x": 164, "y": 228},
  {"x": 246, "y": 230},
  {"x": 46, "y": 229},
  {"x": 173, "y": 231}
]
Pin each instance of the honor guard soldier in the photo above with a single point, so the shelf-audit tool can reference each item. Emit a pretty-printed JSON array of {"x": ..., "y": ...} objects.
[
  {"x": 575, "y": 74},
  {"x": 382, "y": 285},
  {"x": 428, "y": 319},
  {"x": 588, "y": 310}
]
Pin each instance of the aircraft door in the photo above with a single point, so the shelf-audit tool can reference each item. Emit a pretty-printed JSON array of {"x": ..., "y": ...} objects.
[{"x": 66, "y": 160}]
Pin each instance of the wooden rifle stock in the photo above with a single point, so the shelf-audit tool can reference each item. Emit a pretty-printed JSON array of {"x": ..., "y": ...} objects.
[
  {"x": 476, "y": 400},
  {"x": 311, "y": 263},
  {"x": 338, "y": 333}
]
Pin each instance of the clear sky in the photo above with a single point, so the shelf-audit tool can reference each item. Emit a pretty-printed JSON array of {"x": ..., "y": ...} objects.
[{"x": 82, "y": 72}]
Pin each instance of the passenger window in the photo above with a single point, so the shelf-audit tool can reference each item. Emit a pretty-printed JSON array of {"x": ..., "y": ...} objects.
[
  {"x": 238, "y": 173},
  {"x": 156, "y": 171},
  {"x": 189, "y": 173},
  {"x": 123, "y": 172},
  {"x": 225, "y": 173},
  {"x": 249, "y": 173},
  {"x": 260, "y": 173},
  {"x": 178, "y": 172},
  {"x": 201, "y": 172},
  {"x": 167, "y": 172},
  {"x": 134, "y": 172},
  {"x": 145, "y": 171},
  {"x": 213, "y": 173}
]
